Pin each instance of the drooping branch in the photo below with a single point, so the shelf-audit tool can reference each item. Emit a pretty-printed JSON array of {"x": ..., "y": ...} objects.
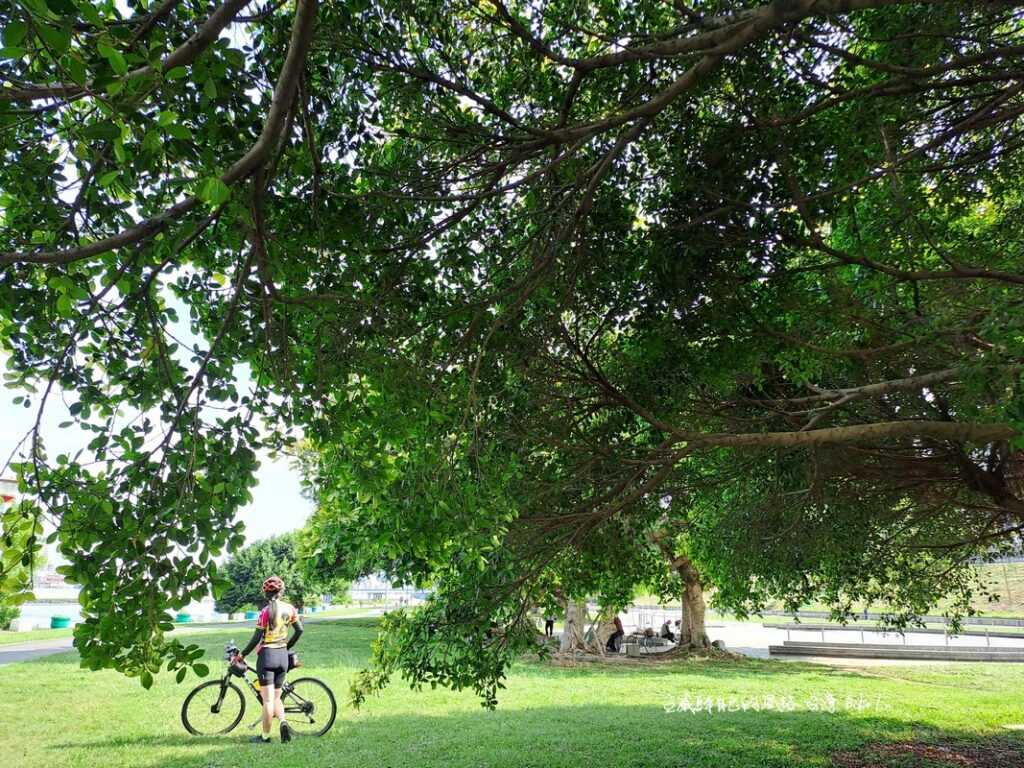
[
  {"x": 163, "y": 11},
  {"x": 854, "y": 434},
  {"x": 908, "y": 383},
  {"x": 716, "y": 31},
  {"x": 252, "y": 160},
  {"x": 181, "y": 56},
  {"x": 956, "y": 272}
]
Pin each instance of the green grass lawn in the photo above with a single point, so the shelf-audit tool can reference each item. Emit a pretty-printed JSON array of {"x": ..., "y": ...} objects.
[
  {"x": 347, "y": 610},
  {"x": 9, "y": 638},
  {"x": 55, "y": 714}
]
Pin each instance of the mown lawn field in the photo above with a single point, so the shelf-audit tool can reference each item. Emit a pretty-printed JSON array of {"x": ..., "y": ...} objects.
[
  {"x": 13, "y": 638},
  {"x": 55, "y": 715}
]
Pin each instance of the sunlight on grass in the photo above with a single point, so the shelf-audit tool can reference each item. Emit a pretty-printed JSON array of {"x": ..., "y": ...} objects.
[{"x": 55, "y": 714}]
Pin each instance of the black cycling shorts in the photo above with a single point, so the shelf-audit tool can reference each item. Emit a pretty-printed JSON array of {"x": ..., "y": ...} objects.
[{"x": 272, "y": 666}]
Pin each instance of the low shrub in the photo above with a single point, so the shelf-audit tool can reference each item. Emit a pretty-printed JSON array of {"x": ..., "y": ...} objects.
[{"x": 8, "y": 613}]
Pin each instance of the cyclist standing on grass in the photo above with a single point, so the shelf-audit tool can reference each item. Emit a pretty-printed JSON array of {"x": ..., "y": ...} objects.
[{"x": 271, "y": 636}]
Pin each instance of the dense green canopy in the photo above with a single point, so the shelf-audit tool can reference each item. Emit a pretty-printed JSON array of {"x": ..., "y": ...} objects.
[{"x": 535, "y": 279}]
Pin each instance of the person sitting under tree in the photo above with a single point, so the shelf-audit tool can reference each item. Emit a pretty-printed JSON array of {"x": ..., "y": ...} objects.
[
  {"x": 615, "y": 638},
  {"x": 666, "y": 631}
]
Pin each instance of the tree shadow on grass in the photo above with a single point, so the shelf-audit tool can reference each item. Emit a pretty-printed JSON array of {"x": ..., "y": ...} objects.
[
  {"x": 599, "y": 734},
  {"x": 710, "y": 668}
]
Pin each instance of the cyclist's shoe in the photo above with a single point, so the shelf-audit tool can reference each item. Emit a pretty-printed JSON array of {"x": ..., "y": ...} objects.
[
  {"x": 286, "y": 733},
  {"x": 257, "y": 739}
]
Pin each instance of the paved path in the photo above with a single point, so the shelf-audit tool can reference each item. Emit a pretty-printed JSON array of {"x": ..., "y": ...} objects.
[
  {"x": 751, "y": 639},
  {"x": 33, "y": 649}
]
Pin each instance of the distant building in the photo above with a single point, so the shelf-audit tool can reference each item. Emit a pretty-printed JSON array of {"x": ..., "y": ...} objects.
[{"x": 377, "y": 588}]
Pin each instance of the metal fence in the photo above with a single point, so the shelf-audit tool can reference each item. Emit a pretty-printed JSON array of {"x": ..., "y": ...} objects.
[{"x": 991, "y": 621}]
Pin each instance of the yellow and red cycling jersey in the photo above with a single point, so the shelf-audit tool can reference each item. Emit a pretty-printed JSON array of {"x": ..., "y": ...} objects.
[{"x": 277, "y": 635}]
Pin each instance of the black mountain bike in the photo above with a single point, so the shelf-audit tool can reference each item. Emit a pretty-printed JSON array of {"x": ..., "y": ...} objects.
[{"x": 218, "y": 706}]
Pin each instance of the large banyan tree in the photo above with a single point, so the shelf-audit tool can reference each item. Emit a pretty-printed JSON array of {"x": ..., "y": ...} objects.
[{"x": 545, "y": 284}]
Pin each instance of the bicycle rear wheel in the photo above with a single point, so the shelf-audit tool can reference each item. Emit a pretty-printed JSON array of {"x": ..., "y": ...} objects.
[
  {"x": 309, "y": 706},
  {"x": 213, "y": 708}
]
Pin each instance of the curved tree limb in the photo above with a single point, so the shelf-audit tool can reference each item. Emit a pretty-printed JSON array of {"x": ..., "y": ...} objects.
[
  {"x": 856, "y": 433},
  {"x": 181, "y": 56},
  {"x": 715, "y": 32},
  {"x": 164, "y": 10},
  {"x": 258, "y": 154}
]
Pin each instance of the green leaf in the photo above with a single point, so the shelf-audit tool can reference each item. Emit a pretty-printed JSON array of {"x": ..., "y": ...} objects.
[
  {"x": 214, "y": 191},
  {"x": 146, "y": 678},
  {"x": 76, "y": 68},
  {"x": 91, "y": 14},
  {"x": 38, "y": 8},
  {"x": 56, "y": 39},
  {"x": 235, "y": 58},
  {"x": 219, "y": 588},
  {"x": 62, "y": 7},
  {"x": 201, "y": 669},
  {"x": 210, "y": 89},
  {"x": 179, "y": 131},
  {"x": 114, "y": 57},
  {"x": 65, "y": 307},
  {"x": 14, "y": 33},
  {"x": 11, "y": 52},
  {"x": 176, "y": 73},
  {"x": 102, "y": 130},
  {"x": 151, "y": 141}
]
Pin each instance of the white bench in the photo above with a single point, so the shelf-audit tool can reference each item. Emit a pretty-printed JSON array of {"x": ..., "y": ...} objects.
[{"x": 22, "y": 625}]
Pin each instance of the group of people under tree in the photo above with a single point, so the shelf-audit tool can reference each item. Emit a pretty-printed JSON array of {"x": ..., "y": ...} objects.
[{"x": 616, "y": 634}]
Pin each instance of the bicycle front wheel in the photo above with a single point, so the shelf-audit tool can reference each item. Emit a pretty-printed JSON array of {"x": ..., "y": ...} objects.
[
  {"x": 309, "y": 706},
  {"x": 213, "y": 708}
]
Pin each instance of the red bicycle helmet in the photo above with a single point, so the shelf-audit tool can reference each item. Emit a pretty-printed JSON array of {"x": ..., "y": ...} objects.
[{"x": 273, "y": 584}]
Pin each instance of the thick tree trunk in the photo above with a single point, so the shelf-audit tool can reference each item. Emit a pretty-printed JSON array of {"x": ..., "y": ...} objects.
[
  {"x": 602, "y": 630},
  {"x": 575, "y": 625},
  {"x": 692, "y": 630}
]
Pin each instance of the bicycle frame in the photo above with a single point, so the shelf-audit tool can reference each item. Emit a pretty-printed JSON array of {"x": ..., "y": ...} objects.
[
  {"x": 259, "y": 698},
  {"x": 301, "y": 706}
]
